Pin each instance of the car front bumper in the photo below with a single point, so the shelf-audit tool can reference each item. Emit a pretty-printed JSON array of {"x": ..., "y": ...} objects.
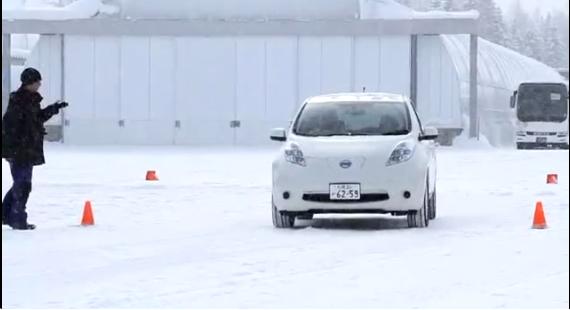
[
  {"x": 542, "y": 140},
  {"x": 306, "y": 189}
]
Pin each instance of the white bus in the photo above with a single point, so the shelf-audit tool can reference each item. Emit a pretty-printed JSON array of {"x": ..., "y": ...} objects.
[{"x": 541, "y": 111}]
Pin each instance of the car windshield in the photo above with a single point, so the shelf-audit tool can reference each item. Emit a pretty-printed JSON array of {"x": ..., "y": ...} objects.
[
  {"x": 353, "y": 119},
  {"x": 542, "y": 103}
]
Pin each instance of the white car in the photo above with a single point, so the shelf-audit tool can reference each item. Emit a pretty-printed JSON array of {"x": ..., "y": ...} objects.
[{"x": 355, "y": 153}]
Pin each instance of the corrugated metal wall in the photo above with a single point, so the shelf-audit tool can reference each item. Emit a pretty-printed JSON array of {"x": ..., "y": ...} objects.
[
  {"x": 187, "y": 90},
  {"x": 46, "y": 57}
]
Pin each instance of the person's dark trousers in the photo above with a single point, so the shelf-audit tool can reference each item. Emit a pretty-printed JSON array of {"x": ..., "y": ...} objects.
[{"x": 14, "y": 204}]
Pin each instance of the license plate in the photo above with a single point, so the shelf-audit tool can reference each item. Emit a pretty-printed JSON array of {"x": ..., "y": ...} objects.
[
  {"x": 541, "y": 140},
  {"x": 345, "y": 191}
]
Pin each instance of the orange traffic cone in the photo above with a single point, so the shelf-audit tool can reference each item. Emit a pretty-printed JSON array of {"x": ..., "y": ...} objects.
[
  {"x": 151, "y": 175},
  {"x": 87, "y": 219},
  {"x": 552, "y": 178},
  {"x": 539, "y": 221}
]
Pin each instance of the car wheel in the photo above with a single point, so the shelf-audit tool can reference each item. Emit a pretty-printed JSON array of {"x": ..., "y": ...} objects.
[
  {"x": 281, "y": 220},
  {"x": 432, "y": 209},
  {"x": 420, "y": 217}
]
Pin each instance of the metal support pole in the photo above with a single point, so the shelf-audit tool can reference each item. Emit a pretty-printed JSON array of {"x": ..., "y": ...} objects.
[
  {"x": 414, "y": 70},
  {"x": 473, "y": 98},
  {"x": 62, "y": 85},
  {"x": 6, "y": 70}
]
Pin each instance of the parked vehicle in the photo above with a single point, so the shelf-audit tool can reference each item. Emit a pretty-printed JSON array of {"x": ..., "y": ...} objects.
[{"x": 541, "y": 115}]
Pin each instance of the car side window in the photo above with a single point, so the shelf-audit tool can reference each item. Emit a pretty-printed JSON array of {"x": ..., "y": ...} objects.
[{"x": 417, "y": 117}]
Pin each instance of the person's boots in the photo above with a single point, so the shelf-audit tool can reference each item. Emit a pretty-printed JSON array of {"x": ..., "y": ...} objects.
[{"x": 25, "y": 226}]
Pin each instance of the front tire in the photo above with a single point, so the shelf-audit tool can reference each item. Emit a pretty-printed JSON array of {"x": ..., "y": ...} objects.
[
  {"x": 420, "y": 218},
  {"x": 432, "y": 208},
  {"x": 281, "y": 220}
]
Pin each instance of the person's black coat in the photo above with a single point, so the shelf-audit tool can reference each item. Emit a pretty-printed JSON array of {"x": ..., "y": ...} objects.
[{"x": 23, "y": 128}]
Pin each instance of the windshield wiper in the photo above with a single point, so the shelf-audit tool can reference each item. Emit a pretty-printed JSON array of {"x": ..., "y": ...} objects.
[
  {"x": 322, "y": 135},
  {"x": 334, "y": 134},
  {"x": 352, "y": 134},
  {"x": 396, "y": 133}
]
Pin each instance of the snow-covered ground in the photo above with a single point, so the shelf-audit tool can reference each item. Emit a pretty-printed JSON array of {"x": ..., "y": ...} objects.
[{"x": 202, "y": 236}]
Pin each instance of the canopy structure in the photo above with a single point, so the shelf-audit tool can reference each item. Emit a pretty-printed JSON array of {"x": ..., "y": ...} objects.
[
  {"x": 500, "y": 72},
  {"x": 233, "y": 18},
  {"x": 499, "y": 67}
]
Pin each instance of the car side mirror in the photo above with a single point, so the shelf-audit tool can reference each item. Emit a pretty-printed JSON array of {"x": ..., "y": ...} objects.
[
  {"x": 514, "y": 99},
  {"x": 278, "y": 134},
  {"x": 429, "y": 133}
]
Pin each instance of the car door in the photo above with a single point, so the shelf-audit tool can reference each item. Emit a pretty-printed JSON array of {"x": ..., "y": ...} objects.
[{"x": 427, "y": 146}]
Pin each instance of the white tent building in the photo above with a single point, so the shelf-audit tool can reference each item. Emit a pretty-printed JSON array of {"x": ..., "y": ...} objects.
[{"x": 223, "y": 72}]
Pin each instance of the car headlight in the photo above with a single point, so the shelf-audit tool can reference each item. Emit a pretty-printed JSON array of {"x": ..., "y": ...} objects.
[
  {"x": 401, "y": 153},
  {"x": 294, "y": 155},
  {"x": 521, "y": 133}
]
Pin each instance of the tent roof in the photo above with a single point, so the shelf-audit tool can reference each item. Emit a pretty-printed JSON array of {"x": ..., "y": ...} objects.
[{"x": 498, "y": 66}]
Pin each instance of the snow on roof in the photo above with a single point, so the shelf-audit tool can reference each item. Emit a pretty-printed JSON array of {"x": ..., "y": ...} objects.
[
  {"x": 80, "y": 9},
  {"x": 472, "y": 14},
  {"x": 225, "y": 10},
  {"x": 384, "y": 9},
  {"x": 389, "y": 9},
  {"x": 278, "y": 10},
  {"x": 240, "y": 10}
]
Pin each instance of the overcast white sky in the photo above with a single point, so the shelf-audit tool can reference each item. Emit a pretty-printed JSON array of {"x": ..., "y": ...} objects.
[{"x": 532, "y": 5}]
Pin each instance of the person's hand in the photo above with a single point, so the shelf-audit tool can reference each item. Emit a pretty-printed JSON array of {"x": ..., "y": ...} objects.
[{"x": 61, "y": 104}]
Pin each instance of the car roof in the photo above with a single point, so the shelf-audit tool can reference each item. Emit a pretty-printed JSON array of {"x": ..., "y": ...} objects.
[{"x": 358, "y": 97}]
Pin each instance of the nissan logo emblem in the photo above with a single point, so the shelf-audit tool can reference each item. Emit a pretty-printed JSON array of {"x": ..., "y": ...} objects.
[{"x": 345, "y": 164}]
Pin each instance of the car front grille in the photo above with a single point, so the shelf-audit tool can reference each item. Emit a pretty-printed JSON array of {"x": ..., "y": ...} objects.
[
  {"x": 363, "y": 198},
  {"x": 537, "y": 133}
]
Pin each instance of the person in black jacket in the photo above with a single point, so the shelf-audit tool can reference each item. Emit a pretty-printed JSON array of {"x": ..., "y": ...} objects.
[{"x": 23, "y": 145}]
